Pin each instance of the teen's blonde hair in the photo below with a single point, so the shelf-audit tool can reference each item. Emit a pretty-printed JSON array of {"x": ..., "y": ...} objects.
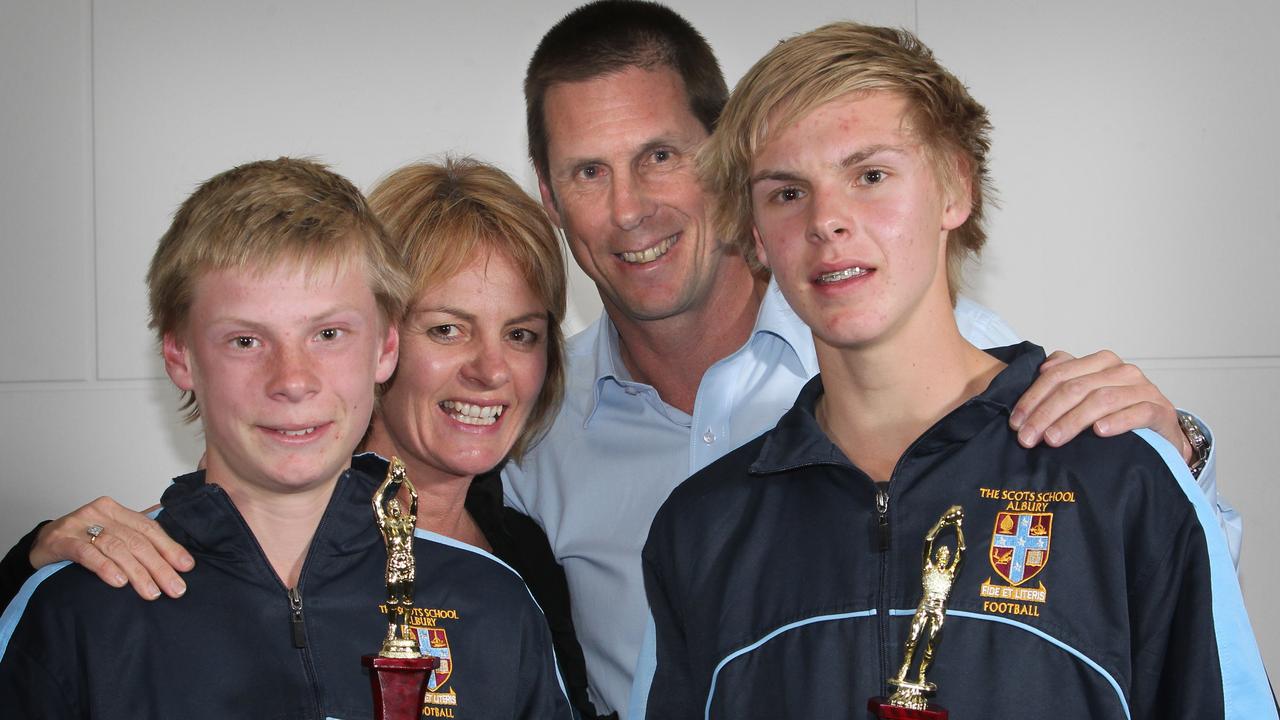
[{"x": 804, "y": 72}]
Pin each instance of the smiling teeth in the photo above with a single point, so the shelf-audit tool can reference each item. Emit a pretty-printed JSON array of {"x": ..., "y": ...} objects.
[
  {"x": 649, "y": 255},
  {"x": 473, "y": 414},
  {"x": 297, "y": 433},
  {"x": 838, "y": 275}
]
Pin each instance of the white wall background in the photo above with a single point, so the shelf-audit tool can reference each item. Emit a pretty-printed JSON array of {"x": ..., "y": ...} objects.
[{"x": 1135, "y": 151}]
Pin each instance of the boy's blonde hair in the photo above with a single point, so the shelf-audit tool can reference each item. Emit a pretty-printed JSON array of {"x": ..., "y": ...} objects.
[
  {"x": 259, "y": 215},
  {"x": 804, "y": 72}
]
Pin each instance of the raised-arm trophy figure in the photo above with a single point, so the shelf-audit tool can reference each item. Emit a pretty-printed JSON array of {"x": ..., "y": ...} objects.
[
  {"x": 397, "y": 532},
  {"x": 938, "y": 575}
]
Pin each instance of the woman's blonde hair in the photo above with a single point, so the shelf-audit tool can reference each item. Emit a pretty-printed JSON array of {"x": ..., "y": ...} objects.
[{"x": 442, "y": 215}]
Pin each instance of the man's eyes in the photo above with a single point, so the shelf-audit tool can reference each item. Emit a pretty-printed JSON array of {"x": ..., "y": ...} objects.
[{"x": 245, "y": 342}]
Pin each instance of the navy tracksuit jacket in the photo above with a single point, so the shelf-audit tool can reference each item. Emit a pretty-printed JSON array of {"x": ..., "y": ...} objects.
[
  {"x": 236, "y": 646},
  {"x": 1095, "y": 584}
]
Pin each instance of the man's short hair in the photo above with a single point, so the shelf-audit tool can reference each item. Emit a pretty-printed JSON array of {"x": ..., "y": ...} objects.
[
  {"x": 804, "y": 72},
  {"x": 443, "y": 216},
  {"x": 255, "y": 217},
  {"x": 609, "y": 36}
]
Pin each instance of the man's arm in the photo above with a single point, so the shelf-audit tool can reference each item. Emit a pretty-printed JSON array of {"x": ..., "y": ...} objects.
[
  {"x": 1071, "y": 394},
  {"x": 132, "y": 548}
]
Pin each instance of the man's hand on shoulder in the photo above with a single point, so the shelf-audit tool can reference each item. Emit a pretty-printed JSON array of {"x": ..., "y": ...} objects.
[
  {"x": 131, "y": 548},
  {"x": 1099, "y": 390}
]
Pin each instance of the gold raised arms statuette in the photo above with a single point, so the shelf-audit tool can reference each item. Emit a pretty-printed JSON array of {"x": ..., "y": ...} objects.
[
  {"x": 397, "y": 532},
  {"x": 939, "y": 573}
]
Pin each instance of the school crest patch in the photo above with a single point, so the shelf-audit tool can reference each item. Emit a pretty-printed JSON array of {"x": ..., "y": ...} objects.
[
  {"x": 1020, "y": 545},
  {"x": 434, "y": 642}
]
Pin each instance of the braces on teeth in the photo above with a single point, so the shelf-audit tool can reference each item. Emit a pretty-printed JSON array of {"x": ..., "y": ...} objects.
[{"x": 839, "y": 275}]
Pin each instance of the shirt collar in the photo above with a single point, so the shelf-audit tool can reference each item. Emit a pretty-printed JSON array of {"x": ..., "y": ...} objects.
[
  {"x": 775, "y": 317},
  {"x": 607, "y": 354},
  {"x": 798, "y": 440},
  {"x": 778, "y": 319}
]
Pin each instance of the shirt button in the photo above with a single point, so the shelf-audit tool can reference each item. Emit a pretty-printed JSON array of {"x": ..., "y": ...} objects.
[{"x": 708, "y": 437}]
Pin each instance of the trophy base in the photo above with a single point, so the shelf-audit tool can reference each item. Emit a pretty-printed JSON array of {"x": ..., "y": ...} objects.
[
  {"x": 400, "y": 648},
  {"x": 881, "y": 708},
  {"x": 398, "y": 685}
]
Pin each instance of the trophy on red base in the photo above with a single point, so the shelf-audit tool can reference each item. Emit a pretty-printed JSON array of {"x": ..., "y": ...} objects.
[
  {"x": 910, "y": 699},
  {"x": 398, "y": 673}
]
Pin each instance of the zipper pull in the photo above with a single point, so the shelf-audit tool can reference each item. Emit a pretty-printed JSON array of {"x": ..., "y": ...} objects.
[
  {"x": 882, "y": 521},
  {"x": 295, "y": 619}
]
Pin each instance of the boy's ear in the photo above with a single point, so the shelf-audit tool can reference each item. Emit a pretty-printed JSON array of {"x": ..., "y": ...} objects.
[
  {"x": 958, "y": 194},
  {"x": 177, "y": 361},
  {"x": 760, "y": 253},
  {"x": 388, "y": 354}
]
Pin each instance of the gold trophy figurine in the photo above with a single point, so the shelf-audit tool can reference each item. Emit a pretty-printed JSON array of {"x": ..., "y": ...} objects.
[
  {"x": 910, "y": 699},
  {"x": 398, "y": 674},
  {"x": 397, "y": 531}
]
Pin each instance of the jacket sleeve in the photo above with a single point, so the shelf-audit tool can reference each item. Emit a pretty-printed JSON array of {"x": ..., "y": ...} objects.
[
  {"x": 672, "y": 690},
  {"x": 1194, "y": 652}
]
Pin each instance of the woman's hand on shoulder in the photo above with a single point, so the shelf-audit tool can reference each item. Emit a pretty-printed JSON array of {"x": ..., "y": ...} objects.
[{"x": 130, "y": 548}]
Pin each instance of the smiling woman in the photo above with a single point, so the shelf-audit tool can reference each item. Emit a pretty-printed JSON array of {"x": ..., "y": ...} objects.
[
  {"x": 481, "y": 370},
  {"x": 489, "y": 292}
]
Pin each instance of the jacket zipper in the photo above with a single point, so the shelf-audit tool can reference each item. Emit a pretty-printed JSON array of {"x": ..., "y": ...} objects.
[
  {"x": 298, "y": 632},
  {"x": 882, "y": 538},
  {"x": 296, "y": 627}
]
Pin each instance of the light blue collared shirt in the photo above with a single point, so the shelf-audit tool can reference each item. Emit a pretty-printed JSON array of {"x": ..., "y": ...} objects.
[{"x": 616, "y": 451}]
